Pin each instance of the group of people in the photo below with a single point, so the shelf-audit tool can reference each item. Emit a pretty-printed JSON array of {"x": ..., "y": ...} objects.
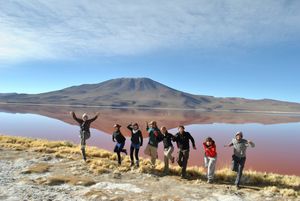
[{"x": 182, "y": 140}]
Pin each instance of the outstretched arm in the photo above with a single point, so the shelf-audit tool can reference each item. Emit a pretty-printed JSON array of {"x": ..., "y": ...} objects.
[
  {"x": 75, "y": 117},
  {"x": 130, "y": 127},
  {"x": 251, "y": 143},
  {"x": 95, "y": 117},
  {"x": 228, "y": 145}
]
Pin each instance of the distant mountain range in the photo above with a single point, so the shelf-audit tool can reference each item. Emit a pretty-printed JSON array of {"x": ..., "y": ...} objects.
[{"x": 144, "y": 93}]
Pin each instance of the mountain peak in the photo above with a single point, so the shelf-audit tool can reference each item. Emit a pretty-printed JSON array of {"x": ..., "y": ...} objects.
[{"x": 133, "y": 84}]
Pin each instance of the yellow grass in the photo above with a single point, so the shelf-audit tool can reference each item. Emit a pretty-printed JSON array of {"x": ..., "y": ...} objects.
[
  {"x": 62, "y": 179},
  {"x": 38, "y": 168},
  {"x": 102, "y": 161}
]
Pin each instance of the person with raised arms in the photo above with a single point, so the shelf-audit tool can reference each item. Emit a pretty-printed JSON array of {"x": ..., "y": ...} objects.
[
  {"x": 85, "y": 124},
  {"x": 240, "y": 146}
]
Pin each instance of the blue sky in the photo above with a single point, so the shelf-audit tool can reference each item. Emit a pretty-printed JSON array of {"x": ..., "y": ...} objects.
[{"x": 227, "y": 48}]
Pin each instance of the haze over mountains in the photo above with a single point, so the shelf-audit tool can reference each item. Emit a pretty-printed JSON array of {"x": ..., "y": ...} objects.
[{"x": 144, "y": 93}]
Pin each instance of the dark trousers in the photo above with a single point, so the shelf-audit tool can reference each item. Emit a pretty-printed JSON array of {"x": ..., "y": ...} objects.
[
  {"x": 84, "y": 135},
  {"x": 238, "y": 166},
  {"x": 136, "y": 153},
  {"x": 118, "y": 149},
  {"x": 183, "y": 157}
]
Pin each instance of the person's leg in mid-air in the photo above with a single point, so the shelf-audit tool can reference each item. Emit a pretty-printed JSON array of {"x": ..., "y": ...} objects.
[
  {"x": 180, "y": 157},
  {"x": 241, "y": 164},
  {"x": 83, "y": 144},
  {"x": 185, "y": 159},
  {"x": 211, "y": 169},
  {"x": 168, "y": 157},
  {"x": 117, "y": 151}
]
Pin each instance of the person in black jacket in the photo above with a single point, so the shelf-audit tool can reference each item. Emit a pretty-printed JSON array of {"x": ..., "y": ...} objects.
[
  {"x": 85, "y": 133},
  {"x": 119, "y": 137},
  {"x": 136, "y": 142},
  {"x": 168, "y": 148},
  {"x": 183, "y": 139}
]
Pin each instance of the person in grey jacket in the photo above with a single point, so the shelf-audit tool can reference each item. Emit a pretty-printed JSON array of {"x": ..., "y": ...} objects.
[
  {"x": 85, "y": 133},
  {"x": 240, "y": 146}
]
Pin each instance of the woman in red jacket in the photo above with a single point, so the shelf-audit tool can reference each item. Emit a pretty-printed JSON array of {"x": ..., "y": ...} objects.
[{"x": 210, "y": 158}]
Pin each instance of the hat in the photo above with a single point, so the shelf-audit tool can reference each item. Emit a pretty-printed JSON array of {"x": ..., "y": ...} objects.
[
  {"x": 135, "y": 124},
  {"x": 239, "y": 133},
  {"x": 117, "y": 126},
  {"x": 84, "y": 116},
  {"x": 152, "y": 122}
]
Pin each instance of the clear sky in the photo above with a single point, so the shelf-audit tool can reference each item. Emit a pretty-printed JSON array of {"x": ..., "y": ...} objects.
[{"x": 229, "y": 48}]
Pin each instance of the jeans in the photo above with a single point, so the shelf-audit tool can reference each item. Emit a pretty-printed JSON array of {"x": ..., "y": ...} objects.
[
  {"x": 183, "y": 157},
  {"x": 238, "y": 166},
  {"x": 134, "y": 148},
  {"x": 118, "y": 149}
]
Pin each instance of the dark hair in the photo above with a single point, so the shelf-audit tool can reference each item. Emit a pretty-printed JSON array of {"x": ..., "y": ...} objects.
[
  {"x": 208, "y": 139},
  {"x": 181, "y": 126},
  {"x": 135, "y": 124}
]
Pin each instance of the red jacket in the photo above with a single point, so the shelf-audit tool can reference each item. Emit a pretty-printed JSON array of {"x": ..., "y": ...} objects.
[{"x": 210, "y": 151}]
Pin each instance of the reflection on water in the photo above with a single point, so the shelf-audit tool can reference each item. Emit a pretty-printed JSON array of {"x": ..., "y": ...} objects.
[{"x": 275, "y": 136}]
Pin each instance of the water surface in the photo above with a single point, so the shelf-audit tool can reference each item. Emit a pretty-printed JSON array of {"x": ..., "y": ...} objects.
[{"x": 276, "y": 136}]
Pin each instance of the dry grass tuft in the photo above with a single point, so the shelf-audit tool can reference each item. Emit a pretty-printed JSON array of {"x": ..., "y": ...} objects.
[
  {"x": 37, "y": 168},
  {"x": 63, "y": 179}
]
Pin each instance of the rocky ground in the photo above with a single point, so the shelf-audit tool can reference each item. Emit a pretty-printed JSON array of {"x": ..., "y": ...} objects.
[{"x": 27, "y": 175}]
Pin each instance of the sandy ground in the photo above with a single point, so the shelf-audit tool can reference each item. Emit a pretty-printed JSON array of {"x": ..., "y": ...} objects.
[{"x": 65, "y": 179}]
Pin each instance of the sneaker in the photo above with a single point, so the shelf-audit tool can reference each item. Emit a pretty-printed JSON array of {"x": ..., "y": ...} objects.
[
  {"x": 132, "y": 164},
  {"x": 209, "y": 181},
  {"x": 238, "y": 187}
]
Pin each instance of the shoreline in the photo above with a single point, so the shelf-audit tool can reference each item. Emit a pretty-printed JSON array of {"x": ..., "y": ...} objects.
[
  {"x": 102, "y": 162},
  {"x": 156, "y": 108}
]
